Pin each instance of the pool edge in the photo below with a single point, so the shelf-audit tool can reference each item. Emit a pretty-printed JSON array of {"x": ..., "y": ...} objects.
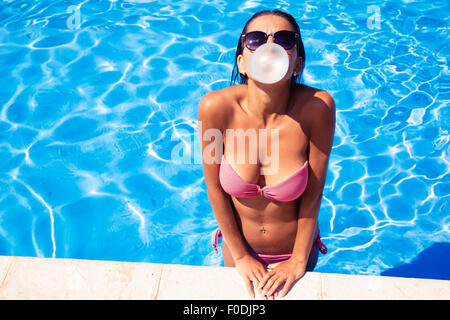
[{"x": 46, "y": 278}]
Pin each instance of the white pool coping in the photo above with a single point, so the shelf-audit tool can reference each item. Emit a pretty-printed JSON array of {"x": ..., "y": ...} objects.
[{"x": 43, "y": 278}]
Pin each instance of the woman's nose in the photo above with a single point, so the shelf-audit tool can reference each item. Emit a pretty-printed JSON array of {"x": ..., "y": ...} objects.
[{"x": 270, "y": 38}]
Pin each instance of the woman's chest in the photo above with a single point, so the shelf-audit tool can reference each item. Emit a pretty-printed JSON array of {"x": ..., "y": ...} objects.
[{"x": 265, "y": 156}]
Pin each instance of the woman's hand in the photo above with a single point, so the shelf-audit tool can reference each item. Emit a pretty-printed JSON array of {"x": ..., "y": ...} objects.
[
  {"x": 286, "y": 272},
  {"x": 252, "y": 271}
]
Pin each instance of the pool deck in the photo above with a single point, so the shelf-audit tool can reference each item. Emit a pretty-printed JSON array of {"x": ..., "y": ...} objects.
[{"x": 44, "y": 278}]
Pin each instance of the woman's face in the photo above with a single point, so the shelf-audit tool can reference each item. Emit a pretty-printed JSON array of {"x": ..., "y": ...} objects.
[{"x": 270, "y": 24}]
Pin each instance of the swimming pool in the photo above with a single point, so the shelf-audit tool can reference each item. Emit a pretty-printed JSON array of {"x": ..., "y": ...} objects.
[{"x": 99, "y": 98}]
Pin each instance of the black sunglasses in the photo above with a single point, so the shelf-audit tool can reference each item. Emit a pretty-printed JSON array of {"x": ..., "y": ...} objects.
[{"x": 285, "y": 38}]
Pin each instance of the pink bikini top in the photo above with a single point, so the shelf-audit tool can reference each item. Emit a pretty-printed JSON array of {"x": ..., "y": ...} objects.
[{"x": 287, "y": 190}]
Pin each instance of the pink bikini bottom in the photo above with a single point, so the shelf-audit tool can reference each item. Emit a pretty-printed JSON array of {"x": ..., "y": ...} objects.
[{"x": 269, "y": 258}]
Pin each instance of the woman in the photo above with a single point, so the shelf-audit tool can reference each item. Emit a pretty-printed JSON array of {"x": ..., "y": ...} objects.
[{"x": 260, "y": 227}]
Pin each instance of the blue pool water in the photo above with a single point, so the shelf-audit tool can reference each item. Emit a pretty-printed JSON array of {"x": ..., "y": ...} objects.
[{"x": 98, "y": 97}]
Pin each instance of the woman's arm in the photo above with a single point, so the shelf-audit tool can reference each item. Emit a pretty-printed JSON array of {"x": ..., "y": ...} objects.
[
  {"x": 321, "y": 127},
  {"x": 211, "y": 116},
  {"x": 320, "y": 118},
  {"x": 212, "y": 112}
]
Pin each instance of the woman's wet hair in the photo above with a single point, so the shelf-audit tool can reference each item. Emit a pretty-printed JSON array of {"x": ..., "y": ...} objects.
[{"x": 242, "y": 79}]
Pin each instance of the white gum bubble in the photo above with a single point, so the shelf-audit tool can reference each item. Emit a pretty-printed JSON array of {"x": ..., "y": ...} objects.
[{"x": 269, "y": 63}]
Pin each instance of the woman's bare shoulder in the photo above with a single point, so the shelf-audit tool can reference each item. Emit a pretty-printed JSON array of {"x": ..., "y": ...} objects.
[
  {"x": 313, "y": 98},
  {"x": 223, "y": 96},
  {"x": 219, "y": 103},
  {"x": 317, "y": 105}
]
